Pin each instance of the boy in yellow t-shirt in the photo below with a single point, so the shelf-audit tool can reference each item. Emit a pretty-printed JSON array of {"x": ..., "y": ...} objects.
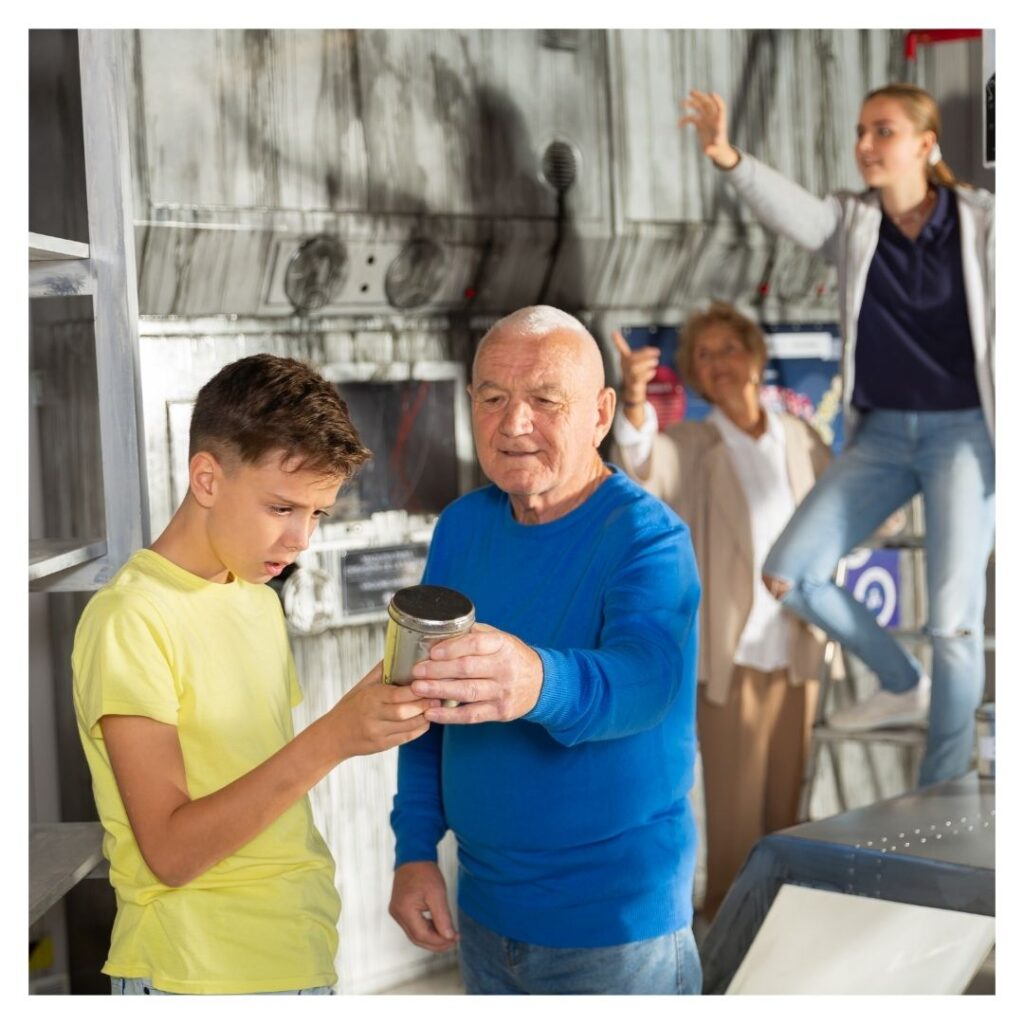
[{"x": 183, "y": 689}]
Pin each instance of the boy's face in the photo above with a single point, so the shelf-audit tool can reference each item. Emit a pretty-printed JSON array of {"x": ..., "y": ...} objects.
[{"x": 262, "y": 515}]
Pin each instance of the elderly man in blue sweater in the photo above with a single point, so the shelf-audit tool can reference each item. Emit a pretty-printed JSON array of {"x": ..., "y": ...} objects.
[{"x": 565, "y": 768}]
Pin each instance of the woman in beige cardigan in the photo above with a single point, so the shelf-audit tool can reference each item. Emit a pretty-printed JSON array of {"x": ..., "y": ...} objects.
[{"x": 735, "y": 478}]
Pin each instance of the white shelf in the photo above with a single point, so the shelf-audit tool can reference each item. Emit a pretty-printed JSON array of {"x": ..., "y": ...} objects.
[
  {"x": 46, "y": 247},
  {"x": 61, "y": 854},
  {"x": 47, "y": 557}
]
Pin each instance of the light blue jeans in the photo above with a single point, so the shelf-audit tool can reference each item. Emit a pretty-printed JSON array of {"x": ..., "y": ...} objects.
[
  {"x": 494, "y": 965},
  {"x": 144, "y": 987},
  {"x": 948, "y": 458}
]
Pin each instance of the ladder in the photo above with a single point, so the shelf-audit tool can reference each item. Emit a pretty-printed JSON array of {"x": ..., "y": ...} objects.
[{"x": 911, "y": 738}]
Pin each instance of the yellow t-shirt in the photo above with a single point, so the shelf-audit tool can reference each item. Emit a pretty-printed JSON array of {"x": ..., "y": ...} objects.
[{"x": 214, "y": 661}]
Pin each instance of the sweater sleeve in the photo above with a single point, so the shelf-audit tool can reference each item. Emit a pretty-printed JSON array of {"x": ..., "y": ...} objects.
[
  {"x": 787, "y": 208},
  {"x": 417, "y": 816},
  {"x": 646, "y": 649}
]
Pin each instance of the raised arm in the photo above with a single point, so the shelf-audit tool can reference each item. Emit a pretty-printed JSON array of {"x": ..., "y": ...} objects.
[
  {"x": 638, "y": 367},
  {"x": 181, "y": 837},
  {"x": 778, "y": 203}
]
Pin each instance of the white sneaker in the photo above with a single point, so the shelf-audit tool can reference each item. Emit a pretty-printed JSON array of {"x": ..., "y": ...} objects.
[{"x": 884, "y": 709}]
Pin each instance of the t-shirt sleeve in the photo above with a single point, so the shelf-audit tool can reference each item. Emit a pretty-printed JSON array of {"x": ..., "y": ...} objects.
[{"x": 123, "y": 663}]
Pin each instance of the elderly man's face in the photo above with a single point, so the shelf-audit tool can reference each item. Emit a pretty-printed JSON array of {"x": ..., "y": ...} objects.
[{"x": 539, "y": 412}]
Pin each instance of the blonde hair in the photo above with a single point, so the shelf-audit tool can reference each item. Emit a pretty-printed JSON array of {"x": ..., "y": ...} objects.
[
  {"x": 923, "y": 113},
  {"x": 727, "y": 315}
]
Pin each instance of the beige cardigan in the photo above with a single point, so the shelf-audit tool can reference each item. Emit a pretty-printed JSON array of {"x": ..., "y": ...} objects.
[{"x": 690, "y": 469}]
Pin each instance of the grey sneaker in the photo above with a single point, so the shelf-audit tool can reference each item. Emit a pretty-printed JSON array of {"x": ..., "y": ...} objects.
[{"x": 884, "y": 710}]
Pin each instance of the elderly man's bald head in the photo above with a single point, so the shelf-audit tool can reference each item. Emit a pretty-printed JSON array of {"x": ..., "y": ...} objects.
[
  {"x": 540, "y": 411},
  {"x": 543, "y": 323}
]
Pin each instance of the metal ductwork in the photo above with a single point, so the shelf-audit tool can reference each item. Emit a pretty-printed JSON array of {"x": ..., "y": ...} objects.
[{"x": 333, "y": 173}]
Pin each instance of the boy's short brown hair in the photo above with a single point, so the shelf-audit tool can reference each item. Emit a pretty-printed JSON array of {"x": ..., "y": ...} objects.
[{"x": 265, "y": 403}]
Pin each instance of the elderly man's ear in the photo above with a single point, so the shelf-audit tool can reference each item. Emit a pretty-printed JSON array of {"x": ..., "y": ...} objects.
[{"x": 605, "y": 413}]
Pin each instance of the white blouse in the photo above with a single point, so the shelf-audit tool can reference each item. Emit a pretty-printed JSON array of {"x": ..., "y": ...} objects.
[{"x": 760, "y": 466}]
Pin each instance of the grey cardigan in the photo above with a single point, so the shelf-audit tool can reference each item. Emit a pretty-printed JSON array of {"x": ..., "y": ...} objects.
[{"x": 843, "y": 228}]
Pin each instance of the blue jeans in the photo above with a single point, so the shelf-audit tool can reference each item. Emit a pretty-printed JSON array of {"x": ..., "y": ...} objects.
[
  {"x": 948, "y": 458},
  {"x": 144, "y": 987},
  {"x": 494, "y": 965}
]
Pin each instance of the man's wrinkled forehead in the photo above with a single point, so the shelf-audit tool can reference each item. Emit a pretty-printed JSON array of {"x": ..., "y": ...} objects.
[{"x": 562, "y": 360}]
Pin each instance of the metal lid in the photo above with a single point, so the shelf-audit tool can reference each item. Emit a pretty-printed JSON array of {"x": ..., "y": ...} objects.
[{"x": 432, "y": 609}]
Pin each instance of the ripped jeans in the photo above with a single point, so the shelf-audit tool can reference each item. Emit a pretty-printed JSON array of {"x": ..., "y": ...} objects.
[{"x": 948, "y": 457}]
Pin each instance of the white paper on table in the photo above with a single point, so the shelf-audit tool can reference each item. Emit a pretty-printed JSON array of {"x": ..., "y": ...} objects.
[{"x": 818, "y": 942}]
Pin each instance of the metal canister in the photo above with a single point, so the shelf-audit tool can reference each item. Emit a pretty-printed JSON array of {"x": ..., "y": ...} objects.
[
  {"x": 985, "y": 720},
  {"x": 418, "y": 617}
]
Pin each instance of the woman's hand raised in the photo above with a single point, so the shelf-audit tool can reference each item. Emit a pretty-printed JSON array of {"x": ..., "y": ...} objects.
[
  {"x": 708, "y": 115},
  {"x": 638, "y": 369}
]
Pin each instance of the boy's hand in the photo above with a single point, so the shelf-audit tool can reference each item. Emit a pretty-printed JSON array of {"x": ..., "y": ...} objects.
[
  {"x": 419, "y": 903},
  {"x": 372, "y": 717}
]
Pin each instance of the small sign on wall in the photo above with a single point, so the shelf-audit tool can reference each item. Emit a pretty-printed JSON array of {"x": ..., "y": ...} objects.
[{"x": 370, "y": 576}]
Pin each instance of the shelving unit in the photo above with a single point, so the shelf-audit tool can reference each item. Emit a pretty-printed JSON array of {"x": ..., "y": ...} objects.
[
  {"x": 44, "y": 248},
  {"x": 88, "y": 508},
  {"x": 47, "y": 558},
  {"x": 63, "y": 853},
  {"x": 100, "y": 270}
]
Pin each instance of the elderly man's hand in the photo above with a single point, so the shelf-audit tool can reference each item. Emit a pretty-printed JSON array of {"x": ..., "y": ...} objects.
[
  {"x": 494, "y": 676},
  {"x": 419, "y": 903}
]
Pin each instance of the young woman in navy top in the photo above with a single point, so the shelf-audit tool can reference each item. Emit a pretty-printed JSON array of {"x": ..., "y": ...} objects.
[{"x": 915, "y": 258}]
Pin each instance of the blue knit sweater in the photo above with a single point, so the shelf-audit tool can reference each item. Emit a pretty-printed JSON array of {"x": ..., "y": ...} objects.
[{"x": 573, "y": 823}]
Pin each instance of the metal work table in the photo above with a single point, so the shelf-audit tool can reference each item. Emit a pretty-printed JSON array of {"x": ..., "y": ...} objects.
[
  {"x": 934, "y": 847},
  {"x": 61, "y": 854}
]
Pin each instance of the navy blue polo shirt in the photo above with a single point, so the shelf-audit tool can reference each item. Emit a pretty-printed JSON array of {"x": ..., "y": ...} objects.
[{"x": 914, "y": 349}]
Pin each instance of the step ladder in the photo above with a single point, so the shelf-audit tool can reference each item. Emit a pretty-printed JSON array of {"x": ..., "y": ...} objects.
[{"x": 912, "y": 738}]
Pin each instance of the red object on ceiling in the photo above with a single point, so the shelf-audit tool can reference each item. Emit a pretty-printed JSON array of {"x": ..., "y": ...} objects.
[{"x": 919, "y": 36}]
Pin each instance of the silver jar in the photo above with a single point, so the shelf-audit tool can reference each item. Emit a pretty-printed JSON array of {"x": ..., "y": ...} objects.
[{"x": 418, "y": 617}]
